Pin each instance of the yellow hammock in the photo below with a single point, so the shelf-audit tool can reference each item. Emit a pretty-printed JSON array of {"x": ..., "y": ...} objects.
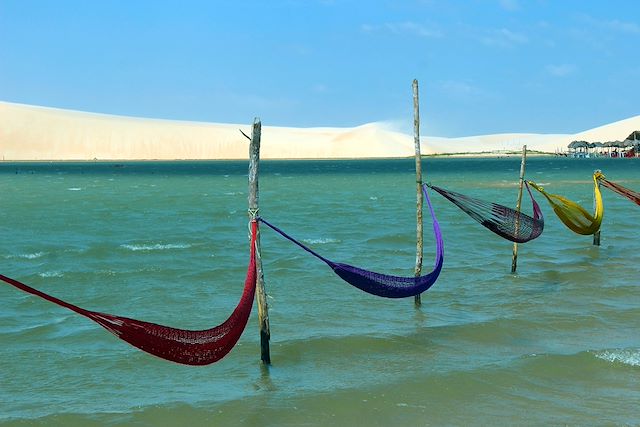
[{"x": 572, "y": 214}]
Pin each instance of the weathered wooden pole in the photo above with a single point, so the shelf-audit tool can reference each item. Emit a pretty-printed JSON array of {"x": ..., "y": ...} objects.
[
  {"x": 514, "y": 259},
  {"x": 596, "y": 238},
  {"x": 596, "y": 235},
  {"x": 416, "y": 139},
  {"x": 263, "y": 308}
]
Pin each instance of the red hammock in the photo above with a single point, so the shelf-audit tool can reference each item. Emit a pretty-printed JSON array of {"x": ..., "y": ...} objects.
[
  {"x": 625, "y": 192},
  {"x": 177, "y": 345}
]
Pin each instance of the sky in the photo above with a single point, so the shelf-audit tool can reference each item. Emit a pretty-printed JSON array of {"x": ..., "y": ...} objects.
[{"x": 483, "y": 66}]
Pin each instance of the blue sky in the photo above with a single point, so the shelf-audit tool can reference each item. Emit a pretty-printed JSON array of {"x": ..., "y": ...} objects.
[{"x": 487, "y": 66}]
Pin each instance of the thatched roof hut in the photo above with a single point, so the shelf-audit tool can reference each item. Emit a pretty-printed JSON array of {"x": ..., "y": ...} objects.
[
  {"x": 634, "y": 136},
  {"x": 582, "y": 148},
  {"x": 578, "y": 144}
]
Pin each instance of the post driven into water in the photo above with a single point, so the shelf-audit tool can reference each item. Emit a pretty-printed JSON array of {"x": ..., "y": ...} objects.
[
  {"x": 596, "y": 235},
  {"x": 596, "y": 238},
  {"x": 416, "y": 140},
  {"x": 263, "y": 308},
  {"x": 514, "y": 258}
]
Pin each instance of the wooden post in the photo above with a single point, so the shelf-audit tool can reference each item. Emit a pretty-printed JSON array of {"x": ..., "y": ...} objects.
[
  {"x": 263, "y": 309},
  {"x": 416, "y": 140},
  {"x": 514, "y": 259},
  {"x": 596, "y": 235}
]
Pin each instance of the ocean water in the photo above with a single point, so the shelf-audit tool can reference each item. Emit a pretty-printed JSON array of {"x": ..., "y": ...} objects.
[{"x": 557, "y": 343}]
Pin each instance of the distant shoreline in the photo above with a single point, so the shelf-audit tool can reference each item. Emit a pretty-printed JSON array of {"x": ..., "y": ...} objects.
[{"x": 484, "y": 155}]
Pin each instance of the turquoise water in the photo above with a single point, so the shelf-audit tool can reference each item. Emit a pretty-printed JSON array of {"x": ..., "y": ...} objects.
[{"x": 555, "y": 344}]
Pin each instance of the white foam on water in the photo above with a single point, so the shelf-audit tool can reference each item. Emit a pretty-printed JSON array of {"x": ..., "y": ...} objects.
[
  {"x": 156, "y": 247},
  {"x": 320, "y": 241},
  {"x": 626, "y": 356},
  {"x": 74, "y": 189},
  {"x": 34, "y": 255},
  {"x": 51, "y": 274}
]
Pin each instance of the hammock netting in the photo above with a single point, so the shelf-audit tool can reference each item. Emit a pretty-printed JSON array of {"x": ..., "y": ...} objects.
[
  {"x": 177, "y": 345},
  {"x": 625, "y": 192},
  {"x": 574, "y": 216},
  {"x": 503, "y": 221},
  {"x": 378, "y": 284}
]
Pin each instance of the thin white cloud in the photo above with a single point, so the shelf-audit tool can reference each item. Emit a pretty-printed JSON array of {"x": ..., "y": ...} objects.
[
  {"x": 403, "y": 28},
  {"x": 622, "y": 26},
  {"x": 459, "y": 89},
  {"x": 296, "y": 49},
  {"x": 602, "y": 34},
  {"x": 614, "y": 25},
  {"x": 504, "y": 38},
  {"x": 560, "y": 70},
  {"x": 319, "y": 88},
  {"x": 510, "y": 5},
  {"x": 589, "y": 37}
]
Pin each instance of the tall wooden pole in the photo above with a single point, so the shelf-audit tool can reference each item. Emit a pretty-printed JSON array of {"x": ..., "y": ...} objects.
[
  {"x": 596, "y": 235},
  {"x": 514, "y": 259},
  {"x": 416, "y": 140},
  {"x": 263, "y": 308}
]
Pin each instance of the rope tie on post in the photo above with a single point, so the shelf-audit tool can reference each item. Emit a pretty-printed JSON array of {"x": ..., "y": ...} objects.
[
  {"x": 253, "y": 217},
  {"x": 253, "y": 213}
]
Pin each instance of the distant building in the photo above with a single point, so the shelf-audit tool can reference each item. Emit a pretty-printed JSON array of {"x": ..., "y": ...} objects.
[{"x": 635, "y": 136}]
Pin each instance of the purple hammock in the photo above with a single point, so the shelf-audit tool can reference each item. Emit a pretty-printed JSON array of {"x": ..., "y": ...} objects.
[
  {"x": 382, "y": 285},
  {"x": 505, "y": 222},
  {"x": 177, "y": 345}
]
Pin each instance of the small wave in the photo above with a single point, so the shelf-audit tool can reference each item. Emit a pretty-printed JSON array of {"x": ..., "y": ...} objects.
[
  {"x": 156, "y": 247},
  {"x": 76, "y": 250},
  {"x": 74, "y": 189},
  {"x": 51, "y": 274},
  {"x": 628, "y": 357},
  {"x": 373, "y": 198},
  {"x": 320, "y": 241},
  {"x": 106, "y": 272},
  {"x": 34, "y": 255}
]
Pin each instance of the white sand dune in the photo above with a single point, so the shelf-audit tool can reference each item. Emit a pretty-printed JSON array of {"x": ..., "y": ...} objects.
[
  {"x": 41, "y": 133},
  {"x": 617, "y": 131}
]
